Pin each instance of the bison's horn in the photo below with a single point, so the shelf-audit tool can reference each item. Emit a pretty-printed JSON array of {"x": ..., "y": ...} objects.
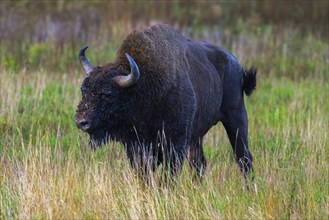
[
  {"x": 132, "y": 78},
  {"x": 86, "y": 65}
]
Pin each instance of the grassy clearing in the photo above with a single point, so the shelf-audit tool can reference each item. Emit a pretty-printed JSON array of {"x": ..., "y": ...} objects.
[{"x": 47, "y": 170}]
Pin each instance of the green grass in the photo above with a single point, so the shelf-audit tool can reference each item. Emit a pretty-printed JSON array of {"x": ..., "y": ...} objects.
[{"x": 48, "y": 171}]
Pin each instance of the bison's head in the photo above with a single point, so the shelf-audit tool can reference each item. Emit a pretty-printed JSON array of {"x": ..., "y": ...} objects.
[{"x": 104, "y": 99}]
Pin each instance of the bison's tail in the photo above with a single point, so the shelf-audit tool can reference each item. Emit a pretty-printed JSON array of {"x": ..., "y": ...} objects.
[{"x": 249, "y": 80}]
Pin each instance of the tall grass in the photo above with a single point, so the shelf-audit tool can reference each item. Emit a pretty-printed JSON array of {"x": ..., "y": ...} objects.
[{"x": 48, "y": 171}]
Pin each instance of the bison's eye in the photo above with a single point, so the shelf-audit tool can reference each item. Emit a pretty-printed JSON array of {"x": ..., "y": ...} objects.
[
  {"x": 107, "y": 93},
  {"x": 83, "y": 91}
]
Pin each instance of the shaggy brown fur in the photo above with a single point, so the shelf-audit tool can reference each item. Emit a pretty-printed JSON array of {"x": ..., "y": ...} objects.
[{"x": 184, "y": 89}]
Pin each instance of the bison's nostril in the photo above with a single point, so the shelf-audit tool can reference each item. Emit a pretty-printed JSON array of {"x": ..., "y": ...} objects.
[{"x": 83, "y": 124}]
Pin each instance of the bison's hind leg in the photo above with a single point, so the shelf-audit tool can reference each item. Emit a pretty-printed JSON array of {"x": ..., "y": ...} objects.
[{"x": 236, "y": 126}]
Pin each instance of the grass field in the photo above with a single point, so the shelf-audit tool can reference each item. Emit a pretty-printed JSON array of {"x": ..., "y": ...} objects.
[{"x": 48, "y": 171}]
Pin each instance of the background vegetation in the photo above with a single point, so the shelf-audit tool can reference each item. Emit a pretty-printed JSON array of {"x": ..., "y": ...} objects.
[{"x": 47, "y": 169}]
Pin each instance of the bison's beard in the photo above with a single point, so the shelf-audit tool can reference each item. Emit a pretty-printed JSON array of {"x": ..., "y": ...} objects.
[{"x": 98, "y": 139}]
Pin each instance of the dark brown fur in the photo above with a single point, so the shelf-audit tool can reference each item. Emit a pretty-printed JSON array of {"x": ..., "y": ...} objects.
[{"x": 184, "y": 89}]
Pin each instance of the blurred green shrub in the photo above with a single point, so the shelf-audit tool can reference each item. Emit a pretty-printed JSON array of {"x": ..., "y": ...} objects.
[
  {"x": 9, "y": 63},
  {"x": 38, "y": 53},
  {"x": 286, "y": 35}
]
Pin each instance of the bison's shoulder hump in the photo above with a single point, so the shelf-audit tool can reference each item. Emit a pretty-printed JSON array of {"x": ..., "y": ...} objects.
[{"x": 159, "y": 51}]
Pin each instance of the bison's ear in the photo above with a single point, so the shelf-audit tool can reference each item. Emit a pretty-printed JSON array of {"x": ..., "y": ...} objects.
[
  {"x": 132, "y": 78},
  {"x": 86, "y": 65}
]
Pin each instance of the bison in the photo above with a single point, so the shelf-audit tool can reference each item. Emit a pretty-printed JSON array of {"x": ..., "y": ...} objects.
[{"x": 160, "y": 97}]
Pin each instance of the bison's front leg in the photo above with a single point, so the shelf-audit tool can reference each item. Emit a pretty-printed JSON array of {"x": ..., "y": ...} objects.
[
  {"x": 143, "y": 159},
  {"x": 175, "y": 149},
  {"x": 197, "y": 159},
  {"x": 178, "y": 117},
  {"x": 174, "y": 160}
]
